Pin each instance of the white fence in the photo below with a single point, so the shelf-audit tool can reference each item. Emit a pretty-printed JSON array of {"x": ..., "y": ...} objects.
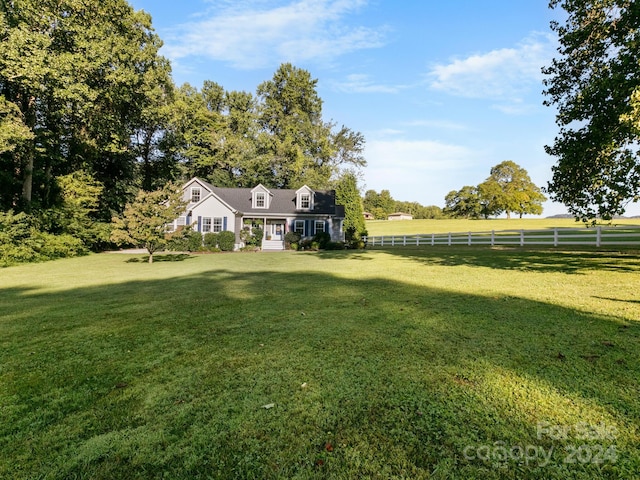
[{"x": 600, "y": 236}]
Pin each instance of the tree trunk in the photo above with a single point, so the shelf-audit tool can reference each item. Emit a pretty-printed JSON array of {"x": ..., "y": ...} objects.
[{"x": 27, "y": 184}]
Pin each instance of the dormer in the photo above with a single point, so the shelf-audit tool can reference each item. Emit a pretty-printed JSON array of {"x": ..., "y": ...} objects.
[
  {"x": 195, "y": 191},
  {"x": 304, "y": 198},
  {"x": 261, "y": 197}
]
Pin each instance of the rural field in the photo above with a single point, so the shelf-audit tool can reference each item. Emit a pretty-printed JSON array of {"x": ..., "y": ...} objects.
[
  {"x": 440, "y": 362},
  {"x": 409, "y": 227}
]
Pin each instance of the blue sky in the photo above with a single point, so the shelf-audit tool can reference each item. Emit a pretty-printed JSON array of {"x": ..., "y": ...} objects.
[{"x": 441, "y": 90}]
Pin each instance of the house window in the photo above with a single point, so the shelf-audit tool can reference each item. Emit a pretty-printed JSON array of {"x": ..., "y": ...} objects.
[
  {"x": 217, "y": 225},
  {"x": 260, "y": 200},
  {"x": 206, "y": 224},
  {"x": 319, "y": 226},
  {"x": 305, "y": 201},
  {"x": 195, "y": 194},
  {"x": 298, "y": 227}
]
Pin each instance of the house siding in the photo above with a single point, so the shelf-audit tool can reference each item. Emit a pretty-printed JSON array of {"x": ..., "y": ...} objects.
[
  {"x": 210, "y": 207},
  {"x": 234, "y": 204}
]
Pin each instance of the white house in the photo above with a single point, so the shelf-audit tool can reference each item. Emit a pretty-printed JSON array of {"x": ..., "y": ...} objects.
[{"x": 305, "y": 211}]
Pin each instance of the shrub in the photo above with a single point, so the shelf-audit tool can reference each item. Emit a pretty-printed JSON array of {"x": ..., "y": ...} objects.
[
  {"x": 61, "y": 246},
  {"x": 226, "y": 241},
  {"x": 334, "y": 246},
  {"x": 252, "y": 237},
  {"x": 322, "y": 239},
  {"x": 290, "y": 238},
  {"x": 211, "y": 240},
  {"x": 177, "y": 241},
  {"x": 307, "y": 245},
  {"x": 21, "y": 240},
  {"x": 258, "y": 233},
  {"x": 194, "y": 241}
]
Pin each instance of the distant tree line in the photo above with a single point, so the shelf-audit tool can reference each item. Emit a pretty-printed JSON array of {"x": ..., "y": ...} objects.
[
  {"x": 381, "y": 205},
  {"x": 508, "y": 189}
]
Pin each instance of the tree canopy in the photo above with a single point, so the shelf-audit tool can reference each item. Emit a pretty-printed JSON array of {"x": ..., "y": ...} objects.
[
  {"x": 595, "y": 85},
  {"x": 463, "y": 203},
  {"x": 508, "y": 189},
  {"x": 348, "y": 194},
  {"x": 380, "y": 205},
  {"x": 74, "y": 79},
  {"x": 298, "y": 144}
]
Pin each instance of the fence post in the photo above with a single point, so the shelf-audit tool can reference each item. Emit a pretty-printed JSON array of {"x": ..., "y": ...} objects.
[
  {"x": 404, "y": 241},
  {"x": 522, "y": 238},
  {"x": 598, "y": 236},
  {"x": 417, "y": 240},
  {"x": 555, "y": 237},
  {"x": 382, "y": 241},
  {"x": 469, "y": 239},
  {"x": 493, "y": 237},
  {"x": 433, "y": 239},
  {"x": 449, "y": 239},
  {"x": 393, "y": 240}
]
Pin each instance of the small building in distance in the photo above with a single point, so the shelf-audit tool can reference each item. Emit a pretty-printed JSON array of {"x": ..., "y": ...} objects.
[
  {"x": 400, "y": 216},
  {"x": 368, "y": 216}
]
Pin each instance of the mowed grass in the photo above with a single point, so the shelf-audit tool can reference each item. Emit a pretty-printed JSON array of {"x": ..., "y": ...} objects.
[
  {"x": 412, "y": 227},
  {"x": 439, "y": 363}
]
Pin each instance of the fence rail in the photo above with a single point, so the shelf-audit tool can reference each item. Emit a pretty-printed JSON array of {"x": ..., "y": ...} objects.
[{"x": 599, "y": 237}]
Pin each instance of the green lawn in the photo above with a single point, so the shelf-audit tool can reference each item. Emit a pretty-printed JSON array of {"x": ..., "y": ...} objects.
[
  {"x": 408, "y": 227},
  {"x": 438, "y": 363}
]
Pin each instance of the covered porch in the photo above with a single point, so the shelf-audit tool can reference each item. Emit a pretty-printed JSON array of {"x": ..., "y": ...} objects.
[{"x": 274, "y": 230}]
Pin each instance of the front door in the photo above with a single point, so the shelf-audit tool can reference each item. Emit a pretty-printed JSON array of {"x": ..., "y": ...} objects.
[{"x": 277, "y": 231}]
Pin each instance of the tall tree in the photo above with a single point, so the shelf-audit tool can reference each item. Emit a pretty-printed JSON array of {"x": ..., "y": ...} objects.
[
  {"x": 156, "y": 165},
  {"x": 463, "y": 203},
  {"x": 348, "y": 194},
  {"x": 379, "y": 204},
  {"x": 215, "y": 134},
  {"x": 509, "y": 189},
  {"x": 299, "y": 146},
  {"x": 594, "y": 84},
  {"x": 75, "y": 70},
  {"x": 492, "y": 198}
]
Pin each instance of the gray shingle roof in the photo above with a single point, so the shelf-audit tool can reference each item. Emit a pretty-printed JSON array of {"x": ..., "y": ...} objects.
[{"x": 283, "y": 201}]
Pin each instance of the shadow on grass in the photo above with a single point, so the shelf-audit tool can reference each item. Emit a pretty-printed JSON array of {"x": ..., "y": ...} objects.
[
  {"x": 368, "y": 378},
  {"x": 624, "y": 300},
  {"x": 516, "y": 258},
  {"x": 171, "y": 257}
]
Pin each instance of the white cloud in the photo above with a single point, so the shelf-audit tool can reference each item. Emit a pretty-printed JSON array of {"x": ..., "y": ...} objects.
[
  {"x": 254, "y": 34},
  {"x": 506, "y": 74},
  {"x": 361, "y": 83},
  {"x": 413, "y": 170},
  {"x": 419, "y": 154}
]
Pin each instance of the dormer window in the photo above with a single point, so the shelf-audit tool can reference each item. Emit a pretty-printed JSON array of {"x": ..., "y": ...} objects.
[
  {"x": 195, "y": 194},
  {"x": 305, "y": 201},
  {"x": 304, "y": 198},
  {"x": 261, "y": 197}
]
